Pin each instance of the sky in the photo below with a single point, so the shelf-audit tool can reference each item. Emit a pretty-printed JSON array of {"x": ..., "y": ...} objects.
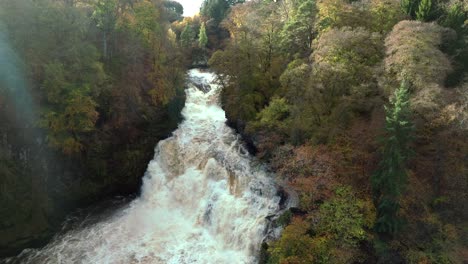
[{"x": 191, "y": 7}]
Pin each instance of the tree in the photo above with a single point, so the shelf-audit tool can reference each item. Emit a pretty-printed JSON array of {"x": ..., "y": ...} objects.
[
  {"x": 389, "y": 181},
  {"x": 386, "y": 14},
  {"x": 424, "y": 10},
  {"x": 413, "y": 53},
  {"x": 187, "y": 36},
  {"x": 456, "y": 18},
  {"x": 409, "y": 7},
  {"x": 341, "y": 13},
  {"x": 174, "y": 10},
  {"x": 297, "y": 34},
  {"x": 217, "y": 9},
  {"x": 274, "y": 115},
  {"x": 341, "y": 218},
  {"x": 252, "y": 59},
  {"x": 202, "y": 37},
  {"x": 342, "y": 77},
  {"x": 294, "y": 246},
  {"x": 105, "y": 16}
]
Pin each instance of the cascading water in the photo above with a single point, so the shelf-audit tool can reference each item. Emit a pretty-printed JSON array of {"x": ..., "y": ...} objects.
[{"x": 202, "y": 201}]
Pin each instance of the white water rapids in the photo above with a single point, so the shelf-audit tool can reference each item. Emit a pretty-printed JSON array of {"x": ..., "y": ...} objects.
[{"x": 202, "y": 201}]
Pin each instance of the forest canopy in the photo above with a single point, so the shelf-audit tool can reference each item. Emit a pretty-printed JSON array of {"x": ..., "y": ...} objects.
[{"x": 355, "y": 99}]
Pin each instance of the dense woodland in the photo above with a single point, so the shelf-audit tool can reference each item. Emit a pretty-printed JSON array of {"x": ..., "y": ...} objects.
[
  {"x": 359, "y": 106},
  {"x": 87, "y": 90}
]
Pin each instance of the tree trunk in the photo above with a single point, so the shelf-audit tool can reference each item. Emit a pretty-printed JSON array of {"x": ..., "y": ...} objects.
[{"x": 104, "y": 45}]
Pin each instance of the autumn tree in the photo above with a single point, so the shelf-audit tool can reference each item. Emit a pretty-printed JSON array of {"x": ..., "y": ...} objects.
[
  {"x": 341, "y": 13},
  {"x": 386, "y": 14},
  {"x": 252, "y": 58},
  {"x": 332, "y": 237},
  {"x": 294, "y": 246},
  {"x": 414, "y": 54},
  {"x": 389, "y": 181},
  {"x": 342, "y": 78}
]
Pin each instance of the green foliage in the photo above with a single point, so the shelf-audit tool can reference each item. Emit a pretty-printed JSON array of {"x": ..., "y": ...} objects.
[
  {"x": 297, "y": 33},
  {"x": 410, "y": 7},
  {"x": 217, "y": 9},
  {"x": 294, "y": 80},
  {"x": 389, "y": 181},
  {"x": 187, "y": 36},
  {"x": 202, "y": 37},
  {"x": 71, "y": 111},
  {"x": 174, "y": 10},
  {"x": 337, "y": 231},
  {"x": 424, "y": 10},
  {"x": 280, "y": 95},
  {"x": 342, "y": 218},
  {"x": 385, "y": 15},
  {"x": 294, "y": 246},
  {"x": 286, "y": 218},
  {"x": 341, "y": 66},
  {"x": 146, "y": 24},
  {"x": 455, "y": 17},
  {"x": 90, "y": 67},
  {"x": 251, "y": 63},
  {"x": 76, "y": 116},
  {"x": 341, "y": 13},
  {"x": 276, "y": 112},
  {"x": 63, "y": 45},
  {"x": 105, "y": 16}
]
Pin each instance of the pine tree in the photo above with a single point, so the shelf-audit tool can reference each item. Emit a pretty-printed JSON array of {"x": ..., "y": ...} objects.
[
  {"x": 202, "y": 37},
  {"x": 424, "y": 10},
  {"x": 409, "y": 7},
  {"x": 297, "y": 34},
  {"x": 455, "y": 18},
  {"x": 187, "y": 36},
  {"x": 390, "y": 179}
]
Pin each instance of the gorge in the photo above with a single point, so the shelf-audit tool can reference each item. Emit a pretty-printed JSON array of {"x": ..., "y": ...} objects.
[{"x": 202, "y": 201}]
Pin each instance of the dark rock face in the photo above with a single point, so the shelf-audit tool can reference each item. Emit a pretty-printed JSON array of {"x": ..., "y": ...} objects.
[
  {"x": 200, "y": 84},
  {"x": 40, "y": 186}
]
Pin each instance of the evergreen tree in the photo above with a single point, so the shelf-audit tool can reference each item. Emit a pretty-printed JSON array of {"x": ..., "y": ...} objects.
[
  {"x": 217, "y": 9},
  {"x": 424, "y": 10},
  {"x": 389, "y": 180},
  {"x": 202, "y": 37},
  {"x": 105, "y": 16},
  {"x": 187, "y": 36},
  {"x": 455, "y": 18},
  {"x": 297, "y": 33},
  {"x": 409, "y": 7}
]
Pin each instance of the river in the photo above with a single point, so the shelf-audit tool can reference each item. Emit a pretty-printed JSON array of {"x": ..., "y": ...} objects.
[{"x": 202, "y": 200}]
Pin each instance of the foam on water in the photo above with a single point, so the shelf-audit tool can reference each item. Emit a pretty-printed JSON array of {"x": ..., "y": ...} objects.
[{"x": 202, "y": 201}]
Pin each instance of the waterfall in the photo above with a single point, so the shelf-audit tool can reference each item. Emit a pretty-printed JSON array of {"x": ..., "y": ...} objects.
[{"x": 202, "y": 200}]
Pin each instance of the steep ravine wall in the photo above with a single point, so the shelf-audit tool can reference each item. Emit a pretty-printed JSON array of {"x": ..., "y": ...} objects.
[{"x": 40, "y": 186}]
